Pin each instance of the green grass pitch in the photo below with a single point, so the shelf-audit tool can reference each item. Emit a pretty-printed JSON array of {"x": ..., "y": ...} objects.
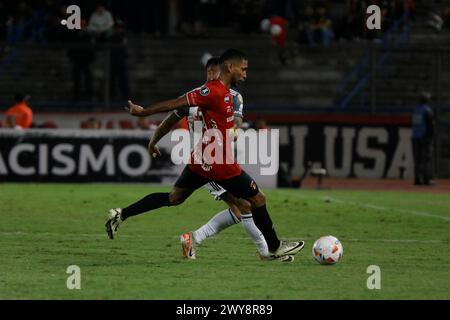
[{"x": 47, "y": 227}]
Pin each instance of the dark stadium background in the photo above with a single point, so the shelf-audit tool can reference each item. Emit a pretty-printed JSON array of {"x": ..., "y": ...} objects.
[{"x": 342, "y": 103}]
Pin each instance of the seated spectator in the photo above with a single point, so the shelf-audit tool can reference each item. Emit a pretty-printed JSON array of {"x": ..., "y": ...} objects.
[
  {"x": 91, "y": 123},
  {"x": 109, "y": 124},
  {"x": 11, "y": 123},
  {"x": 143, "y": 123},
  {"x": 446, "y": 17},
  {"x": 17, "y": 22},
  {"x": 48, "y": 125},
  {"x": 126, "y": 125},
  {"x": 21, "y": 112},
  {"x": 101, "y": 23},
  {"x": 81, "y": 55},
  {"x": 118, "y": 62},
  {"x": 146, "y": 124},
  {"x": 320, "y": 31},
  {"x": 260, "y": 124}
]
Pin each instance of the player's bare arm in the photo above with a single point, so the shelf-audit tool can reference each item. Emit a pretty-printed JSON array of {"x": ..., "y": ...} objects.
[
  {"x": 160, "y": 132},
  {"x": 163, "y": 106},
  {"x": 237, "y": 122}
]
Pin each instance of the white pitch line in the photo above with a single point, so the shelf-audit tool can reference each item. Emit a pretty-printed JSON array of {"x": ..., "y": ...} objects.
[
  {"x": 382, "y": 208},
  {"x": 98, "y": 235}
]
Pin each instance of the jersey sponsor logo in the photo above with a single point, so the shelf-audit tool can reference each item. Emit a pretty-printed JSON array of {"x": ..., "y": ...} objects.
[
  {"x": 227, "y": 99},
  {"x": 206, "y": 167},
  {"x": 204, "y": 91},
  {"x": 230, "y": 119}
]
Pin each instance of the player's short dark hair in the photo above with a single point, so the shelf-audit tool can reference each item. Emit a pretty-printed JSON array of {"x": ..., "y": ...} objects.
[
  {"x": 232, "y": 54},
  {"x": 212, "y": 62}
]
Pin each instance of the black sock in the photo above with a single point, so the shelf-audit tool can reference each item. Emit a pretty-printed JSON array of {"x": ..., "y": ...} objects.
[
  {"x": 264, "y": 223},
  {"x": 150, "y": 202}
]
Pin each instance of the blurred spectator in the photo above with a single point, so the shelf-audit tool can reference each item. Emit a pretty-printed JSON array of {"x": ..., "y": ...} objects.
[
  {"x": 260, "y": 124},
  {"x": 410, "y": 6},
  {"x": 446, "y": 17},
  {"x": 305, "y": 18},
  {"x": 277, "y": 27},
  {"x": 48, "y": 125},
  {"x": 55, "y": 31},
  {"x": 126, "y": 125},
  {"x": 11, "y": 123},
  {"x": 422, "y": 140},
  {"x": 101, "y": 23},
  {"x": 17, "y": 22},
  {"x": 192, "y": 22},
  {"x": 91, "y": 123},
  {"x": 247, "y": 14},
  {"x": 355, "y": 25},
  {"x": 21, "y": 112},
  {"x": 109, "y": 124},
  {"x": 82, "y": 55},
  {"x": 145, "y": 124},
  {"x": 119, "y": 68},
  {"x": 435, "y": 21},
  {"x": 320, "y": 31}
]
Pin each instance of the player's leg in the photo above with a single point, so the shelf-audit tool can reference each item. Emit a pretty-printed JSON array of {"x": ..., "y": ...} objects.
[
  {"x": 217, "y": 223},
  {"x": 243, "y": 186},
  {"x": 186, "y": 184},
  {"x": 243, "y": 210}
]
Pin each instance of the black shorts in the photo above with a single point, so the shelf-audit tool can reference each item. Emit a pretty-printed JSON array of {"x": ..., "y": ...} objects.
[
  {"x": 190, "y": 180},
  {"x": 241, "y": 186}
]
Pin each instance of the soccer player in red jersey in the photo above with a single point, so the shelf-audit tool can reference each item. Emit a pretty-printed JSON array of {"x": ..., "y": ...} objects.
[
  {"x": 214, "y": 100},
  {"x": 239, "y": 210}
]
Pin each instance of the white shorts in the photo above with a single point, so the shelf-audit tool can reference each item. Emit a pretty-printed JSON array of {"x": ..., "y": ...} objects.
[{"x": 215, "y": 190}]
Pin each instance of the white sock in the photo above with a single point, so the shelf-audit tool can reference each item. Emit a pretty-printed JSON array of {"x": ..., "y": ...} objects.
[
  {"x": 220, "y": 221},
  {"x": 254, "y": 233}
]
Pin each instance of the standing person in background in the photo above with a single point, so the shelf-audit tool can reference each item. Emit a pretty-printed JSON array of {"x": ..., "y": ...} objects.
[
  {"x": 81, "y": 54},
  {"x": 21, "y": 111},
  {"x": 101, "y": 23},
  {"x": 422, "y": 140}
]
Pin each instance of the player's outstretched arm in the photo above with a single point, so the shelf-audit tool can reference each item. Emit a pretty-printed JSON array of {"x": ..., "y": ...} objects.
[
  {"x": 162, "y": 130},
  {"x": 168, "y": 105}
]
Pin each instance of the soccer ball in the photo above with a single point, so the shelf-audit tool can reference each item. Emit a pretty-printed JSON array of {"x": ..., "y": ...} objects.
[{"x": 327, "y": 250}]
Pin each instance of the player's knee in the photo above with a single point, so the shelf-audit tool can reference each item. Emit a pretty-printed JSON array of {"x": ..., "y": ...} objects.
[
  {"x": 257, "y": 200},
  {"x": 236, "y": 211},
  {"x": 176, "y": 198},
  {"x": 244, "y": 206}
]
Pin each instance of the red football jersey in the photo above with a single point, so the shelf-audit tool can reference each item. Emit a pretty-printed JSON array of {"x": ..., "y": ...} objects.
[{"x": 216, "y": 104}]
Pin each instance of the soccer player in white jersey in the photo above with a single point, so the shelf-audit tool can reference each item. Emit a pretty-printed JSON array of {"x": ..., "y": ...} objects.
[{"x": 239, "y": 210}]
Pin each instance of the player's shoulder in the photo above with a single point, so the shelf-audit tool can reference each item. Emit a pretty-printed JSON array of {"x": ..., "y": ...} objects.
[{"x": 213, "y": 88}]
